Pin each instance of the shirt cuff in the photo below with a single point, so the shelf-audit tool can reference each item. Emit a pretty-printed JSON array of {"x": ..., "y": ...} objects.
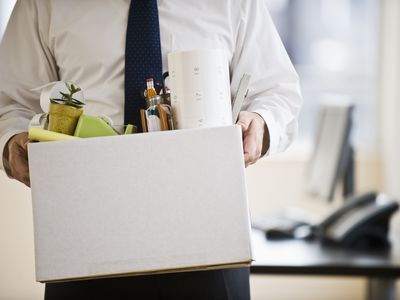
[
  {"x": 3, "y": 141},
  {"x": 273, "y": 130}
]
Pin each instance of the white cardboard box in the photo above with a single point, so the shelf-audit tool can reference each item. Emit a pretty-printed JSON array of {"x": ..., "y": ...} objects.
[{"x": 139, "y": 204}]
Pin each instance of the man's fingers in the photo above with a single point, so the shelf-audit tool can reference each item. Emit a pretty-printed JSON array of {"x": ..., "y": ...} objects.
[
  {"x": 20, "y": 170},
  {"x": 19, "y": 163},
  {"x": 251, "y": 146},
  {"x": 253, "y": 129},
  {"x": 244, "y": 120},
  {"x": 246, "y": 160},
  {"x": 15, "y": 157},
  {"x": 251, "y": 154},
  {"x": 25, "y": 146},
  {"x": 26, "y": 180}
]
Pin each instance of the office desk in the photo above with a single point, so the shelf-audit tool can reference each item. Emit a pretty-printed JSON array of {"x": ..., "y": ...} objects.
[{"x": 297, "y": 257}]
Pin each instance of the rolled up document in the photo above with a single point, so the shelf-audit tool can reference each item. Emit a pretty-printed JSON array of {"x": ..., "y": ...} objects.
[{"x": 200, "y": 88}]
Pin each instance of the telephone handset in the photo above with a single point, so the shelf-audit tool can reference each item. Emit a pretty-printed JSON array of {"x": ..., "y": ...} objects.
[
  {"x": 350, "y": 203},
  {"x": 362, "y": 222}
]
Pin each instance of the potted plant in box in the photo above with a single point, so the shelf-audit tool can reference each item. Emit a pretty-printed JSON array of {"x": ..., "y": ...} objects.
[{"x": 64, "y": 112}]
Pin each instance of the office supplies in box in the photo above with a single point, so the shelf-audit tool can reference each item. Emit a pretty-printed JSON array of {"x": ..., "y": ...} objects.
[{"x": 139, "y": 204}]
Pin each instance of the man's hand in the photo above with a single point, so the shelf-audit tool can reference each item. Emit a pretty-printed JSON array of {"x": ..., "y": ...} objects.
[
  {"x": 15, "y": 158},
  {"x": 255, "y": 136}
]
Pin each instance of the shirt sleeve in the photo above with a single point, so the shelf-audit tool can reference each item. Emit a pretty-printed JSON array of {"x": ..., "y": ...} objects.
[
  {"x": 274, "y": 91},
  {"x": 26, "y": 62}
]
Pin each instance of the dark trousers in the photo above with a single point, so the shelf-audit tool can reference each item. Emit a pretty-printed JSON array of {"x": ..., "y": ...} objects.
[{"x": 232, "y": 284}]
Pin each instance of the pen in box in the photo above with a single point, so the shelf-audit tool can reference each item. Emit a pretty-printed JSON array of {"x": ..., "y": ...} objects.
[{"x": 143, "y": 119}]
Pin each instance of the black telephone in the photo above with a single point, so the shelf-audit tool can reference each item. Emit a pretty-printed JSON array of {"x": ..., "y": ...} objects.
[{"x": 361, "y": 222}]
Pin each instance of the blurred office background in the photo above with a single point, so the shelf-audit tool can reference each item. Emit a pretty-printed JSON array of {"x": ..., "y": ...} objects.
[{"x": 343, "y": 50}]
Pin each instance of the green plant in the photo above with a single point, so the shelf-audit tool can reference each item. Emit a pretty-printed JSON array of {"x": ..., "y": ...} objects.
[{"x": 68, "y": 99}]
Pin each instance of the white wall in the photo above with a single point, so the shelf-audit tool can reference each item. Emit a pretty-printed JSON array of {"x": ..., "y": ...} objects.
[
  {"x": 390, "y": 96},
  {"x": 278, "y": 181},
  {"x": 17, "y": 275}
]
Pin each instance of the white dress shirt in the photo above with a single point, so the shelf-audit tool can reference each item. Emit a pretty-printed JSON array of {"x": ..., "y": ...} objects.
[{"x": 84, "y": 42}]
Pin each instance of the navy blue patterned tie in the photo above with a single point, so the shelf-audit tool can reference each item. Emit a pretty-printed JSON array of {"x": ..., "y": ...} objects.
[{"x": 142, "y": 56}]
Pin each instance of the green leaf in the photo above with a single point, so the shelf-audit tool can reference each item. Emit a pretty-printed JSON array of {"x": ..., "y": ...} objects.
[
  {"x": 67, "y": 98},
  {"x": 68, "y": 86},
  {"x": 77, "y": 101},
  {"x": 55, "y": 100}
]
